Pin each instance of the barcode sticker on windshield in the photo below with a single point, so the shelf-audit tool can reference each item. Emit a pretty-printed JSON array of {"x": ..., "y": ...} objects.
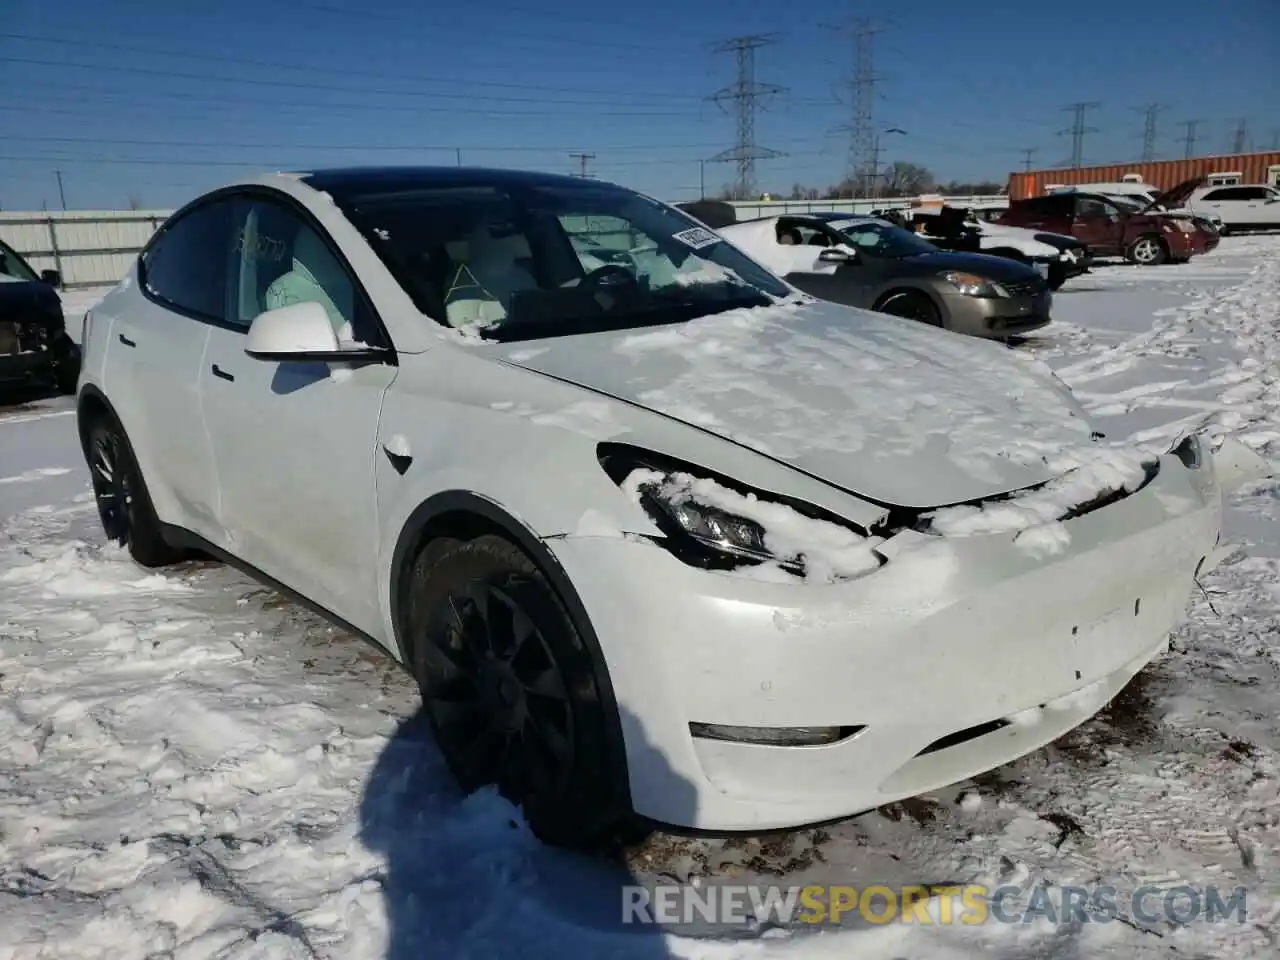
[{"x": 696, "y": 237}]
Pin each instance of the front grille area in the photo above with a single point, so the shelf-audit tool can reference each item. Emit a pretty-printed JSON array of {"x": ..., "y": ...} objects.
[
  {"x": 1024, "y": 288},
  {"x": 10, "y": 338}
]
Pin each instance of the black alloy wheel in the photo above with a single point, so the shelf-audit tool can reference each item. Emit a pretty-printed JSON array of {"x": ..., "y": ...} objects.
[
  {"x": 510, "y": 689},
  {"x": 112, "y": 484}
]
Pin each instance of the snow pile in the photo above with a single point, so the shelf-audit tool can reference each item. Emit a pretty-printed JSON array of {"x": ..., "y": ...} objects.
[
  {"x": 1082, "y": 475},
  {"x": 825, "y": 551}
]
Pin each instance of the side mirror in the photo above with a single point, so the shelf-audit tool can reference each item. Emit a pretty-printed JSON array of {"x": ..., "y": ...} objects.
[
  {"x": 302, "y": 332},
  {"x": 52, "y": 277},
  {"x": 836, "y": 255}
]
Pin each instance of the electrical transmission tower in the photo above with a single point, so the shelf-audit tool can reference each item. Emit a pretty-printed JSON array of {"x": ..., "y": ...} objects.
[
  {"x": 746, "y": 96},
  {"x": 1078, "y": 129},
  {"x": 1027, "y": 154},
  {"x": 583, "y": 159},
  {"x": 1240, "y": 138},
  {"x": 1151, "y": 114},
  {"x": 861, "y": 83},
  {"x": 1189, "y": 138}
]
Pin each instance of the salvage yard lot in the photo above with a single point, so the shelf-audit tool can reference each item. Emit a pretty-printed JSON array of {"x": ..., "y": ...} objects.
[{"x": 192, "y": 767}]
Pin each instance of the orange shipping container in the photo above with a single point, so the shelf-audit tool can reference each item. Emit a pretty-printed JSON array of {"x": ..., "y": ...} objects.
[{"x": 1165, "y": 174}]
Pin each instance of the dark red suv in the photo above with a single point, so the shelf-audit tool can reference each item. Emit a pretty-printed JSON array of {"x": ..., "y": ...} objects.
[{"x": 1140, "y": 234}]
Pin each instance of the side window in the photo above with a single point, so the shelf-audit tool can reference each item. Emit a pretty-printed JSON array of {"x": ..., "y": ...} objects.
[
  {"x": 1253, "y": 193},
  {"x": 1226, "y": 193},
  {"x": 186, "y": 265},
  {"x": 1087, "y": 207},
  {"x": 279, "y": 259}
]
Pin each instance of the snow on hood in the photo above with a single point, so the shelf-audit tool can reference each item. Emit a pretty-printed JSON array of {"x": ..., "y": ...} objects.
[{"x": 892, "y": 410}]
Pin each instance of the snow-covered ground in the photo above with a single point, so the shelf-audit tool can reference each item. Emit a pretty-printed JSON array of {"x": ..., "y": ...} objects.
[{"x": 191, "y": 767}]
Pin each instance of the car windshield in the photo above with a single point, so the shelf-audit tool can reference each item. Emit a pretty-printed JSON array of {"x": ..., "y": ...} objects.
[
  {"x": 528, "y": 260},
  {"x": 13, "y": 266},
  {"x": 883, "y": 239}
]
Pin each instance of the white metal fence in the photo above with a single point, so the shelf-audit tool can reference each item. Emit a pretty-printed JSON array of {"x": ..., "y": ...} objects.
[
  {"x": 88, "y": 247},
  {"x": 96, "y": 247}
]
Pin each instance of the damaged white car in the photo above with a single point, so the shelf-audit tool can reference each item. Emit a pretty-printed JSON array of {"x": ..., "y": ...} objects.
[{"x": 656, "y": 533}]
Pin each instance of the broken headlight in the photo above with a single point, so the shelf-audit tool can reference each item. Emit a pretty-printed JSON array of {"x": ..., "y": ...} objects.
[
  {"x": 712, "y": 521},
  {"x": 1190, "y": 451}
]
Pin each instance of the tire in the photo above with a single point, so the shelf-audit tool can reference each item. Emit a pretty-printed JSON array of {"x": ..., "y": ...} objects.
[
  {"x": 509, "y": 687},
  {"x": 911, "y": 305},
  {"x": 1057, "y": 276},
  {"x": 1148, "y": 250},
  {"x": 124, "y": 506}
]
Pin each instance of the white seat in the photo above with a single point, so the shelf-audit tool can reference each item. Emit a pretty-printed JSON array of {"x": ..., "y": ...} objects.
[{"x": 490, "y": 273}]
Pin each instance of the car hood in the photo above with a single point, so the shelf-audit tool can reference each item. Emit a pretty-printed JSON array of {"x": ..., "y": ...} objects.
[
  {"x": 1177, "y": 196},
  {"x": 896, "y": 412},
  {"x": 985, "y": 265}
]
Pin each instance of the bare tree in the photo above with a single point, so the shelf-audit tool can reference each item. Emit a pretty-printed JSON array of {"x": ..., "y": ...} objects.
[{"x": 903, "y": 179}]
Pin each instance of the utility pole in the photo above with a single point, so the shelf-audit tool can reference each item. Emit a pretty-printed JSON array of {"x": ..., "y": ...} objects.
[
  {"x": 702, "y": 179},
  {"x": 1151, "y": 113},
  {"x": 746, "y": 96},
  {"x": 1078, "y": 129},
  {"x": 582, "y": 159},
  {"x": 458, "y": 150},
  {"x": 1027, "y": 154},
  {"x": 62, "y": 195},
  {"x": 1240, "y": 138},
  {"x": 1189, "y": 138}
]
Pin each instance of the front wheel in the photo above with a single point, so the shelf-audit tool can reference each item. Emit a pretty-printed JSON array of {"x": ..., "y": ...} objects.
[
  {"x": 1147, "y": 251},
  {"x": 911, "y": 305},
  {"x": 511, "y": 690}
]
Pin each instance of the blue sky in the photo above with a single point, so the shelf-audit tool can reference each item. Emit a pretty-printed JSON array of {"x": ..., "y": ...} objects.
[{"x": 157, "y": 100}]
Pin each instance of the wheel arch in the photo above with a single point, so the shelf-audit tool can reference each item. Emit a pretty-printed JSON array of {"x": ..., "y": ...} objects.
[
  {"x": 92, "y": 403},
  {"x": 465, "y": 515}
]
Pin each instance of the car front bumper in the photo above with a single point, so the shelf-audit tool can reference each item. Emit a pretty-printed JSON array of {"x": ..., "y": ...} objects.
[
  {"x": 928, "y": 657},
  {"x": 24, "y": 367},
  {"x": 996, "y": 316}
]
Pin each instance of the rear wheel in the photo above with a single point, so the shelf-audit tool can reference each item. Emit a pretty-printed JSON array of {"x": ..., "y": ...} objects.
[
  {"x": 911, "y": 305},
  {"x": 124, "y": 506},
  {"x": 510, "y": 689},
  {"x": 1147, "y": 251}
]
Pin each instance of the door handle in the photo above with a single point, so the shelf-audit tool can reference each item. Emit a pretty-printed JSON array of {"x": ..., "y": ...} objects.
[
  {"x": 222, "y": 374},
  {"x": 125, "y": 340}
]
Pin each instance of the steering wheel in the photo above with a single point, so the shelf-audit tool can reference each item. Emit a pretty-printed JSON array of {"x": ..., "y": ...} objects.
[{"x": 601, "y": 277}]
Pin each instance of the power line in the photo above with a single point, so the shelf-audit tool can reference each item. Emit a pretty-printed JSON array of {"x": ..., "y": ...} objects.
[
  {"x": 309, "y": 85},
  {"x": 1027, "y": 154},
  {"x": 1192, "y": 127},
  {"x": 80, "y": 45},
  {"x": 1078, "y": 129},
  {"x": 1151, "y": 114},
  {"x": 1240, "y": 137},
  {"x": 746, "y": 95},
  {"x": 583, "y": 159}
]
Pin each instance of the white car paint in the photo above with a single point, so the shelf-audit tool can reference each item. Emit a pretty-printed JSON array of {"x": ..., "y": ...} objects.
[
  {"x": 853, "y": 412},
  {"x": 1239, "y": 206}
]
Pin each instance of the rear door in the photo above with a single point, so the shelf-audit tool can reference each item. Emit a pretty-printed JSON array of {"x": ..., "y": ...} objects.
[
  {"x": 153, "y": 362},
  {"x": 296, "y": 441}
]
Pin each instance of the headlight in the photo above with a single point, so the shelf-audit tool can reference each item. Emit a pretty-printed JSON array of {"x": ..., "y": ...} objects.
[
  {"x": 713, "y": 522},
  {"x": 972, "y": 285}
]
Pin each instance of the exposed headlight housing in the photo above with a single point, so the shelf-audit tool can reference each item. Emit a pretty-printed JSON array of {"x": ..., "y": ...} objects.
[
  {"x": 711, "y": 521},
  {"x": 972, "y": 285},
  {"x": 1190, "y": 450}
]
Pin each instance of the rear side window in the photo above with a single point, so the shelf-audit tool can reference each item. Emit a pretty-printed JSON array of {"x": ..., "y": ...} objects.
[
  {"x": 186, "y": 266},
  {"x": 1234, "y": 193}
]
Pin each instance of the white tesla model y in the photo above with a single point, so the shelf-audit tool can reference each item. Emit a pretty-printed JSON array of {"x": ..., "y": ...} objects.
[{"x": 655, "y": 532}]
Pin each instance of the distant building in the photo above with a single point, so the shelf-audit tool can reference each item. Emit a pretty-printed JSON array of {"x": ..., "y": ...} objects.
[{"x": 1165, "y": 174}]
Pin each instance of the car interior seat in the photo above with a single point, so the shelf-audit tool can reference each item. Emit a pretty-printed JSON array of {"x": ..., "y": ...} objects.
[
  {"x": 317, "y": 276},
  {"x": 492, "y": 267}
]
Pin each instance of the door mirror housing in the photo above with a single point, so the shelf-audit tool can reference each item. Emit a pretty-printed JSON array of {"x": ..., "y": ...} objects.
[
  {"x": 52, "y": 277},
  {"x": 301, "y": 332},
  {"x": 837, "y": 255}
]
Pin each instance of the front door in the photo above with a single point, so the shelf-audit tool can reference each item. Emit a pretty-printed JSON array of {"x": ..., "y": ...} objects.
[
  {"x": 296, "y": 441},
  {"x": 1099, "y": 224},
  {"x": 156, "y": 351}
]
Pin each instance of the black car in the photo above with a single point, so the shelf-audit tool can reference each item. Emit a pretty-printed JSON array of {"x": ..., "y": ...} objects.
[{"x": 34, "y": 346}]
